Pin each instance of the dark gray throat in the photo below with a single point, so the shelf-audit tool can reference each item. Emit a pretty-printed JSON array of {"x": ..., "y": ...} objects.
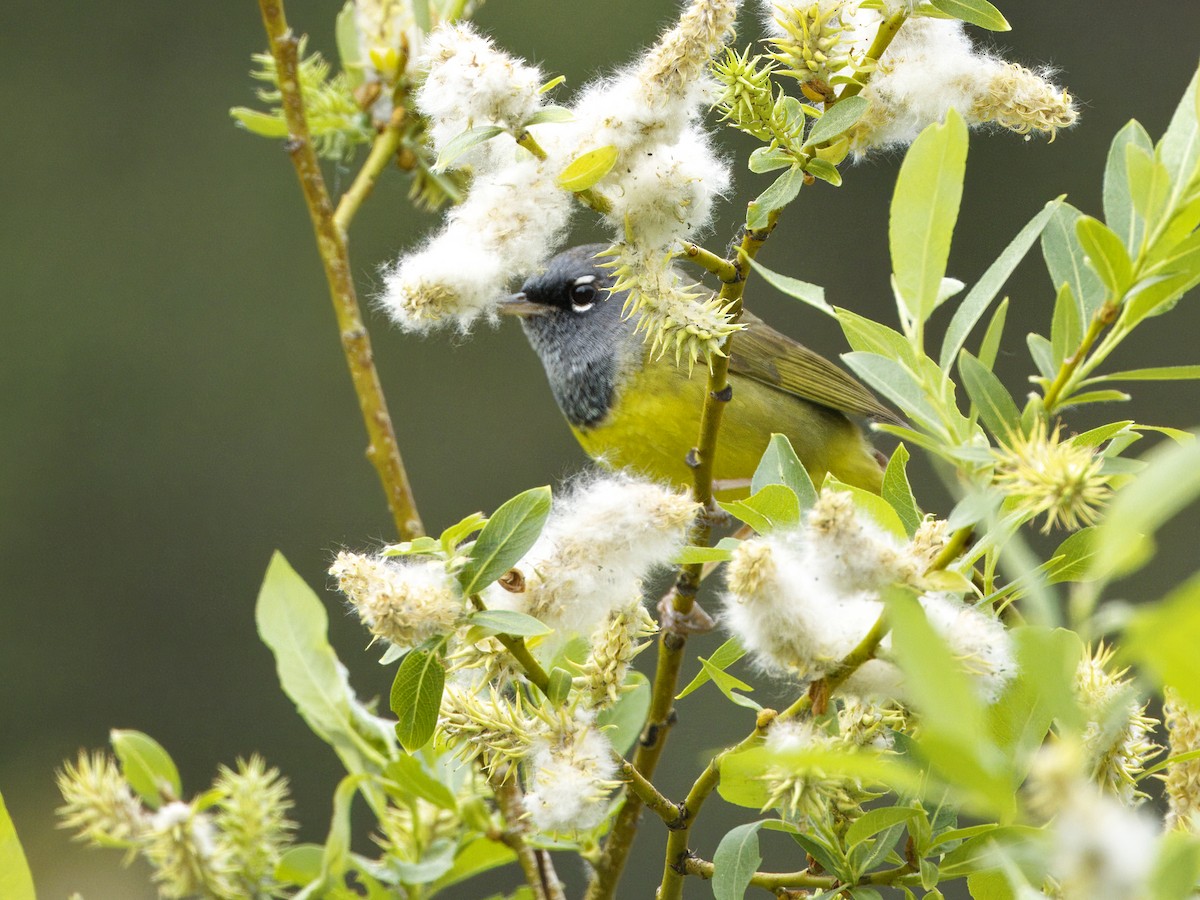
[{"x": 582, "y": 371}]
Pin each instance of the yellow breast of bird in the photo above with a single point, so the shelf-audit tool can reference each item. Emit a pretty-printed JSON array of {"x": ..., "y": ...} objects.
[{"x": 655, "y": 420}]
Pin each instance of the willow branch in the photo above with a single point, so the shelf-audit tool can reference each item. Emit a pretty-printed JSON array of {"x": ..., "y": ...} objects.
[
  {"x": 520, "y": 653},
  {"x": 383, "y": 151},
  {"x": 710, "y": 262},
  {"x": 535, "y": 864},
  {"x": 1070, "y": 368},
  {"x": 382, "y": 449},
  {"x": 771, "y": 881},
  {"x": 663, "y": 807}
]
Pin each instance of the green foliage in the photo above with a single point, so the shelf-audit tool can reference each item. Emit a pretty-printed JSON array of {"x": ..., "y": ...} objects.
[
  {"x": 506, "y": 537},
  {"x": 16, "y": 882},
  {"x": 147, "y": 767}
]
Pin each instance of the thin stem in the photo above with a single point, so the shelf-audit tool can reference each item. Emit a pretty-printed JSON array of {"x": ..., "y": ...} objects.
[
  {"x": 516, "y": 647},
  {"x": 536, "y": 865},
  {"x": 711, "y": 262},
  {"x": 677, "y": 855},
  {"x": 883, "y": 39},
  {"x": 382, "y": 449},
  {"x": 663, "y": 807},
  {"x": 603, "y": 884},
  {"x": 1064, "y": 379},
  {"x": 954, "y": 548},
  {"x": 771, "y": 881},
  {"x": 383, "y": 151}
]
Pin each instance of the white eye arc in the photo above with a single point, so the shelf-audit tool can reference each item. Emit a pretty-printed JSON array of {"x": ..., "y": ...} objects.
[{"x": 583, "y": 293}]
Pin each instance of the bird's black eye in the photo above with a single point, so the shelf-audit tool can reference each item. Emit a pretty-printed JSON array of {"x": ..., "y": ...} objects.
[{"x": 583, "y": 295}]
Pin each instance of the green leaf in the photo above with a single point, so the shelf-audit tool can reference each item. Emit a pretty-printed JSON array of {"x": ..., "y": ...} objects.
[
  {"x": 508, "y": 621},
  {"x": 898, "y": 492},
  {"x": 300, "y": 865},
  {"x": 449, "y": 539},
  {"x": 420, "y": 11},
  {"x": 980, "y": 297},
  {"x": 1179, "y": 148},
  {"x": 559, "y": 687},
  {"x": 1066, "y": 330},
  {"x": 260, "y": 123},
  {"x": 335, "y": 859},
  {"x": 838, "y": 119},
  {"x": 923, "y": 213},
  {"x": 735, "y": 862},
  {"x": 783, "y": 190},
  {"x": 1160, "y": 373},
  {"x": 346, "y": 37},
  {"x": 293, "y": 624},
  {"x": 989, "y": 885},
  {"x": 1149, "y": 185},
  {"x": 552, "y": 113},
  {"x": 896, "y": 383},
  {"x": 1106, "y": 254},
  {"x": 474, "y": 857},
  {"x": 974, "y": 12},
  {"x": 825, "y": 170},
  {"x": 148, "y": 768},
  {"x": 781, "y": 465},
  {"x": 1176, "y": 867},
  {"x": 772, "y": 507},
  {"x": 461, "y": 143},
  {"x": 625, "y": 718},
  {"x": 869, "y": 336},
  {"x": 722, "y": 658},
  {"x": 729, "y": 685},
  {"x": 769, "y": 159},
  {"x": 691, "y": 555},
  {"x": 874, "y": 821},
  {"x": 1042, "y": 353},
  {"x": 416, "y": 698},
  {"x": 812, "y": 294},
  {"x": 1176, "y": 274},
  {"x": 507, "y": 536},
  {"x": 1074, "y": 557},
  {"x": 412, "y": 780},
  {"x": 1120, "y": 211},
  {"x": 1067, "y": 262},
  {"x": 995, "y": 405},
  {"x": 1170, "y": 482},
  {"x": 16, "y": 881},
  {"x": 1163, "y": 638},
  {"x": 585, "y": 170}
]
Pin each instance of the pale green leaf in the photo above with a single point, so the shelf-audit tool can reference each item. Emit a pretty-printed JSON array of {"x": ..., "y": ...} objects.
[
  {"x": 722, "y": 658},
  {"x": 1066, "y": 331},
  {"x": 1067, "y": 262},
  {"x": 416, "y": 698},
  {"x": 825, "y": 170},
  {"x": 588, "y": 168},
  {"x": 924, "y": 210},
  {"x": 147, "y": 767},
  {"x": 1042, "y": 353},
  {"x": 300, "y": 865},
  {"x": 874, "y": 821},
  {"x": 995, "y": 404},
  {"x": 729, "y": 685},
  {"x": 474, "y": 857},
  {"x": 896, "y": 383},
  {"x": 783, "y": 190},
  {"x": 974, "y": 12},
  {"x": 1074, "y": 557},
  {"x": 506, "y": 537},
  {"x": 508, "y": 621},
  {"x": 1120, "y": 211},
  {"x": 412, "y": 780},
  {"x": 838, "y": 119},
  {"x": 1149, "y": 185},
  {"x": 348, "y": 44},
  {"x": 1176, "y": 867},
  {"x": 772, "y": 507},
  {"x": 769, "y": 159},
  {"x": 1179, "y": 148},
  {"x": 781, "y": 465},
  {"x": 553, "y": 114},
  {"x": 735, "y": 862},
  {"x": 260, "y": 123},
  {"x": 1159, "y": 373},
  {"x": 460, "y": 144},
  {"x": 16, "y": 881},
  {"x": 1106, "y": 254},
  {"x": 990, "y": 885},
  {"x": 980, "y": 297},
  {"x": 898, "y": 492},
  {"x": 690, "y": 556},
  {"x": 1162, "y": 639},
  {"x": 812, "y": 294}
]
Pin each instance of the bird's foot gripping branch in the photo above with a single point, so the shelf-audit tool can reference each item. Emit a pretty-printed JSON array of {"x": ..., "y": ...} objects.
[{"x": 928, "y": 738}]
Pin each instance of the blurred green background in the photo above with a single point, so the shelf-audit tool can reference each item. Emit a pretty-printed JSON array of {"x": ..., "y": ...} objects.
[{"x": 175, "y": 405}]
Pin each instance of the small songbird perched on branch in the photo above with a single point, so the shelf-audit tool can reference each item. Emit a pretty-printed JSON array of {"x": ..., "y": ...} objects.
[{"x": 631, "y": 409}]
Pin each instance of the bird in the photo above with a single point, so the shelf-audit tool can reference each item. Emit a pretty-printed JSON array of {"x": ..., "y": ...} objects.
[{"x": 632, "y": 409}]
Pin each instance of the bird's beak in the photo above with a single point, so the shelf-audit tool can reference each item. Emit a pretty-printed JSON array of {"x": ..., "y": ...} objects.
[{"x": 520, "y": 305}]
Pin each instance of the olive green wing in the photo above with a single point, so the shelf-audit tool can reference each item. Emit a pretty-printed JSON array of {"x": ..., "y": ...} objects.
[{"x": 762, "y": 353}]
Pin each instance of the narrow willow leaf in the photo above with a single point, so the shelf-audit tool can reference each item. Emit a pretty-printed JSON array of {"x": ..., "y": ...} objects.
[
  {"x": 623, "y": 720},
  {"x": 1170, "y": 482},
  {"x": 550, "y": 114},
  {"x": 1042, "y": 353},
  {"x": 898, "y": 492},
  {"x": 16, "y": 881},
  {"x": 300, "y": 865},
  {"x": 260, "y": 123},
  {"x": 1159, "y": 373},
  {"x": 506, "y": 537},
  {"x": 974, "y": 12},
  {"x": 416, "y": 698},
  {"x": 990, "y": 885},
  {"x": 475, "y": 856},
  {"x": 411, "y": 780},
  {"x": 348, "y": 44},
  {"x": 552, "y": 84},
  {"x": 770, "y": 159},
  {"x": 874, "y": 337},
  {"x": 461, "y": 143},
  {"x": 980, "y": 297},
  {"x": 1176, "y": 868},
  {"x": 1106, "y": 254},
  {"x": 420, "y": 12},
  {"x": 896, "y": 383},
  {"x": 148, "y": 767},
  {"x": 989, "y": 347},
  {"x": 735, "y": 862},
  {"x": 1149, "y": 183},
  {"x": 1179, "y": 148},
  {"x": 1065, "y": 329},
  {"x": 689, "y": 556},
  {"x": 1067, "y": 262},
  {"x": 336, "y": 857},
  {"x": 812, "y": 294},
  {"x": 825, "y": 170},
  {"x": 722, "y": 658},
  {"x": 783, "y": 190},
  {"x": 588, "y": 168},
  {"x": 1120, "y": 212},
  {"x": 773, "y": 507},
  {"x": 781, "y": 465},
  {"x": 1095, "y": 397},
  {"x": 729, "y": 685},
  {"x": 871, "y": 823},
  {"x": 1162, "y": 639},
  {"x": 508, "y": 621},
  {"x": 838, "y": 119},
  {"x": 924, "y": 210},
  {"x": 1074, "y": 557}
]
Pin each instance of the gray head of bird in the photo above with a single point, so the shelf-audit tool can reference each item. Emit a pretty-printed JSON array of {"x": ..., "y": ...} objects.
[{"x": 578, "y": 329}]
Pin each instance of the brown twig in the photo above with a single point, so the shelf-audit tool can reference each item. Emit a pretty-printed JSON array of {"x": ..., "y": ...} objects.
[
  {"x": 536, "y": 865},
  {"x": 382, "y": 449}
]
